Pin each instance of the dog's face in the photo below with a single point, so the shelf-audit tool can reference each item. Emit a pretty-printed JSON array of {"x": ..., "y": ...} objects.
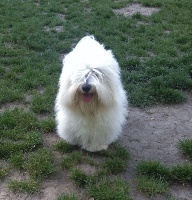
[
  {"x": 90, "y": 81},
  {"x": 90, "y": 86}
]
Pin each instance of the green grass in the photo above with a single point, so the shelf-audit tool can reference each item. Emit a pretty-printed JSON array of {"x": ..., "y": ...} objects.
[
  {"x": 64, "y": 147},
  {"x": 115, "y": 165},
  {"x": 110, "y": 189},
  {"x": 156, "y": 170},
  {"x": 42, "y": 104},
  {"x": 17, "y": 160},
  {"x": 186, "y": 147},
  {"x": 116, "y": 150},
  {"x": 30, "y": 142},
  {"x": 29, "y": 186},
  {"x": 67, "y": 197},
  {"x": 111, "y": 162},
  {"x": 114, "y": 160},
  {"x": 25, "y": 121},
  {"x": 153, "y": 169},
  {"x": 40, "y": 164},
  {"x": 147, "y": 48},
  {"x": 181, "y": 173},
  {"x": 19, "y": 134},
  {"x": 67, "y": 162},
  {"x": 3, "y": 172},
  {"x": 80, "y": 178},
  {"x": 72, "y": 159},
  {"x": 48, "y": 125},
  {"x": 151, "y": 186}
]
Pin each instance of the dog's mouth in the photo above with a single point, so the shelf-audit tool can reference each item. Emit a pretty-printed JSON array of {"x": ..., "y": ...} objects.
[{"x": 87, "y": 97}]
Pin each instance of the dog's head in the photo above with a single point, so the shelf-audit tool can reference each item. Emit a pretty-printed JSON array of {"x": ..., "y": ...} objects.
[
  {"x": 90, "y": 77},
  {"x": 93, "y": 85},
  {"x": 90, "y": 88}
]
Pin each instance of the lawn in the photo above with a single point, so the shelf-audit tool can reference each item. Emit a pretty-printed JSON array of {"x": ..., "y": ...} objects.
[{"x": 154, "y": 53}]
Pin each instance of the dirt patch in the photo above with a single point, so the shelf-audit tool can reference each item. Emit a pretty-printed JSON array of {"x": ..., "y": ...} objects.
[
  {"x": 153, "y": 134},
  {"x": 5, "y": 193},
  {"x": 56, "y": 28},
  {"x": 12, "y": 106},
  {"x": 136, "y": 8},
  {"x": 61, "y": 16},
  {"x": 49, "y": 190},
  {"x": 88, "y": 169}
]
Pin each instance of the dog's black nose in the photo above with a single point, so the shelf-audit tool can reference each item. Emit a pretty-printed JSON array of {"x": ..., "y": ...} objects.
[{"x": 86, "y": 87}]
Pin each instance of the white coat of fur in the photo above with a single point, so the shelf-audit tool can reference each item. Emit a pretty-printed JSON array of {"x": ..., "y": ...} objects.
[{"x": 92, "y": 125}]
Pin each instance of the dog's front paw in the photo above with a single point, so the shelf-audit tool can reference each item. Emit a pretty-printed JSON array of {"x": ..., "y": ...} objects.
[{"x": 92, "y": 148}]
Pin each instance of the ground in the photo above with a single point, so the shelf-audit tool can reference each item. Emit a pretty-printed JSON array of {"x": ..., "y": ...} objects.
[
  {"x": 136, "y": 8},
  {"x": 149, "y": 134},
  {"x": 153, "y": 134}
]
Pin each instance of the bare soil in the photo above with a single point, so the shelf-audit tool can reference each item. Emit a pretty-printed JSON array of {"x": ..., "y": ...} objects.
[
  {"x": 153, "y": 134},
  {"x": 135, "y": 8}
]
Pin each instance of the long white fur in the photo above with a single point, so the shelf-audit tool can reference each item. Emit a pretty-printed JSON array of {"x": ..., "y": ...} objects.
[{"x": 92, "y": 125}]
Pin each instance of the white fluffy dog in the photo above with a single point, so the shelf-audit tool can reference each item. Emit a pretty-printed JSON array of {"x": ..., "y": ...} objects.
[{"x": 91, "y": 105}]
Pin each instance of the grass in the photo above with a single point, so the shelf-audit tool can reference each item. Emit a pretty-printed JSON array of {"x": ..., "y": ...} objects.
[
  {"x": 40, "y": 164},
  {"x": 48, "y": 125},
  {"x": 153, "y": 169},
  {"x": 17, "y": 161},
  {"x": 18, "y": 134},
  {"x": 116, "y": 150},
  {"x": 25, "y": 121},
  {"x": 29, "y": 186},
  {"x": 115, "y": 165},
  {"x": 154, "y": 177},
  {"x": 64, "y": 147},
  {"x": 31, "y": 141},
  {"x": 67, "y": 197},
  {"x": 186, "y": 147},
  {"x": 111, "y": 189},
  {"x": 79, "y": 177},
  {"x": 42, "y": 104},
  {"x": 182, "y": 173},
  {"x": 112, "y": 161},
  {"x": 151, "y": 186},
  {"x": 67, "y": 162},
  {"x": 154, "y": 53},
  {"x": 162, "y": 54},
  {"x": 3, "y": 172},
  {"x": 72, "y": 159}
]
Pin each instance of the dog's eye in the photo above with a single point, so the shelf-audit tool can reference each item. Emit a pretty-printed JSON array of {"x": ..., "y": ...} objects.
[
  {"x": 96, "y": 74},
  {"x": 86, "y": 76}
]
